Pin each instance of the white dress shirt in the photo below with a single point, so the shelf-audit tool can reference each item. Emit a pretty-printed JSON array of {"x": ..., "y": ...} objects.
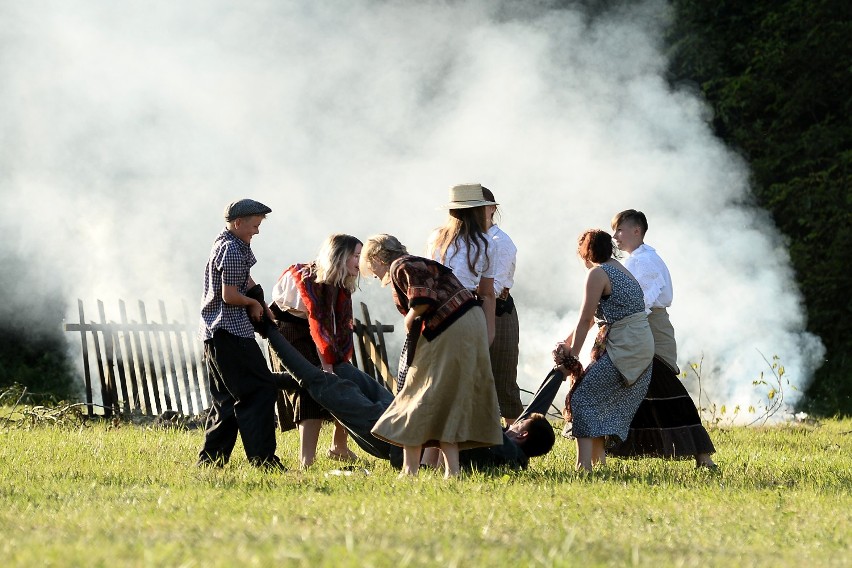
[
  {"x": 505, "y": 254},
  {"x": 653, "y": 275}
]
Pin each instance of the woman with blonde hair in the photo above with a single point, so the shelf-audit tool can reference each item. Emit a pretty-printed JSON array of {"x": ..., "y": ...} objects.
[
  {"x": 447, "y": 398},
  {"x": 312, "y": 305}
]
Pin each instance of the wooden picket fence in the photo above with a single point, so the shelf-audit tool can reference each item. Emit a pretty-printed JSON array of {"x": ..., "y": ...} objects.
[{"x": 149, "y": 367}]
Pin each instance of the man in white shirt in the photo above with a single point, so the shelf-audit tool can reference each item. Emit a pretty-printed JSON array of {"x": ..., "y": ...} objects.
[
  {"x": 653, "y": 275},
  {"x": 667, "y": 423}
]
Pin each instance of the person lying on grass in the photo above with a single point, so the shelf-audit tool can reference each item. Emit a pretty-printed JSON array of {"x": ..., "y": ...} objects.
[{"x": 357, "y": 401}]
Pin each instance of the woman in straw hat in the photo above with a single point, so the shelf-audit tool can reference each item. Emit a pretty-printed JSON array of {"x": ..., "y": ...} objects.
[
  {"x": 448, "y": 398},
  {"x": 462, "y": 244}
]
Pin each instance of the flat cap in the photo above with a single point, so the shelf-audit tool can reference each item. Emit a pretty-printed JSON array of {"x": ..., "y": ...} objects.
[{"x": 245, "y": 208}]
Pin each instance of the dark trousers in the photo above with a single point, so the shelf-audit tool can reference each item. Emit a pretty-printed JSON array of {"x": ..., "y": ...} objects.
[
  {"x": 543, "y": 397},
  {"x": 243, "y": 391},
  {"x": 355, "y": 399}
]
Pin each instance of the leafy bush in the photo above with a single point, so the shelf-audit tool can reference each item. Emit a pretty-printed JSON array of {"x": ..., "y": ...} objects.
[{"x": 38, "y": 364}]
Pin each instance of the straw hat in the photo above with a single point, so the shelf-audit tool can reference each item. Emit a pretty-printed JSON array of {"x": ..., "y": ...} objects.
[{"x": 467, "y": 195}]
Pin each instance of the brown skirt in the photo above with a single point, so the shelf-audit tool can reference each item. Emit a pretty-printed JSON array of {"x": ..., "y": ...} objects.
[{"x": 449, "y": 393}]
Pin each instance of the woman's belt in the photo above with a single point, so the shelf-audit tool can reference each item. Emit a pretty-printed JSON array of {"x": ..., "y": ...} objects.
[{"x": 505, "y": 303}]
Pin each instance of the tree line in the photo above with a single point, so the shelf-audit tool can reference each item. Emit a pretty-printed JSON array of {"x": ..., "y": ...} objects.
[{"x": 778, "y": 75}]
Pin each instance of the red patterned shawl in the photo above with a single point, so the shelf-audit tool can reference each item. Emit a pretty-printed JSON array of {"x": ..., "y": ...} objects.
[{"x": 329, "y": 314}]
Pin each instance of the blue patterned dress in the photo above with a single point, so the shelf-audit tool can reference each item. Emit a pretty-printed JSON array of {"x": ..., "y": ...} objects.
[{"x": 601, "y": 404}]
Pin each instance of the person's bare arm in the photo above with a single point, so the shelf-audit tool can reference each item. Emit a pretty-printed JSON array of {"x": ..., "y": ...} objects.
[
  {"x": 596, "y": 282},
  {"x": 231, "y": 295},
  {"x": 485, "y": 290},
  {"x": 414, "y": 313}
]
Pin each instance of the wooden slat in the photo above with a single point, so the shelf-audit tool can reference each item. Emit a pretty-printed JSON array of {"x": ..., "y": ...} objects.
[
  {"x": 374, "y": 344},
  {"x": 143, "y": 375},
  {"x": 107, "y": 401},
  {"x": 109, "y": 359},
  {"x": 183, "y": 375},
  {"x": 87, "y": 375},
  {"x": 380, "y": 339},
  {"x": 361, "y": 333},
  {"x": 128, "y": 358},
  {"x": 169, "y": 381},
  {"x": 383, "y": 373},
  {"x": 185, "y": 346},
  {"x": 122, "y": 392},
  {"x": 119, "y": 364},
  {"x": 158, "y": 404},
  {"x": 196, "y": 367}
]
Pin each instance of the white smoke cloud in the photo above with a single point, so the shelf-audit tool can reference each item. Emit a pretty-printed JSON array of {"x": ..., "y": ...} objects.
[{"x": 126, "y": 127}]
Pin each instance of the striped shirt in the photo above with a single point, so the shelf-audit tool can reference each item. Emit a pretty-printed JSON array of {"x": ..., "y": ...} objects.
[{"x": 229, "y": 264}]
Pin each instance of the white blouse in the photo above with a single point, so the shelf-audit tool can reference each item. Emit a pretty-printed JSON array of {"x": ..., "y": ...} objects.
[
  {"x": 457, "y": 260},
  {"x": 286, "y": 296}
]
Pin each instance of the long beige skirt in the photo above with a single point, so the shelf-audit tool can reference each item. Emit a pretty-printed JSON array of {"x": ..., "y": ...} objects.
[{"x": 449, "y": 394}]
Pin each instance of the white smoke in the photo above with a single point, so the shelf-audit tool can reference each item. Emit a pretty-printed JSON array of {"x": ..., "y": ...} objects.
[{"x": 126, "y": 128}]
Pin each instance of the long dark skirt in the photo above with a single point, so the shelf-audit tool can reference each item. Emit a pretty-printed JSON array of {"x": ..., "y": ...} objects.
[{"x": 667, "y": 424}]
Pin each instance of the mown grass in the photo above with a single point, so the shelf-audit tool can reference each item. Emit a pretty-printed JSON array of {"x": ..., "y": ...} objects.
[{"x": 119, "y": 494}]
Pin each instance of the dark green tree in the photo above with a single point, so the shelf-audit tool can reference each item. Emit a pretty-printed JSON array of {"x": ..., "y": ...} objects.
[
  {"x": 779, "y": 76},
  {"x": 33, "y": 346}
]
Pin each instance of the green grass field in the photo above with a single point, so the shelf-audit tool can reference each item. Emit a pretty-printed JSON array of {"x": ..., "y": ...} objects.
[{"x": 120, "y": 494}]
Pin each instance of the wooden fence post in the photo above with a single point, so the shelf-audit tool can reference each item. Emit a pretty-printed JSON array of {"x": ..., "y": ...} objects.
[{"x": 151, "y": 367}]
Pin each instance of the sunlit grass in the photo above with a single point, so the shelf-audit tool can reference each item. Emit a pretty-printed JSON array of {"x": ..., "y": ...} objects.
[{"x": 99, "y": 493}]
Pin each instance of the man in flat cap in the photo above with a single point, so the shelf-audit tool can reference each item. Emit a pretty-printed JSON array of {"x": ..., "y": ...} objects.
[{"x": 241, "y": 385}]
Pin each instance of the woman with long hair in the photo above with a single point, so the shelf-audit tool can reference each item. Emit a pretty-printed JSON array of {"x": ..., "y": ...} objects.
[
  {"x": 312, "y": 305},
  {"x": 462, "y": 244}
]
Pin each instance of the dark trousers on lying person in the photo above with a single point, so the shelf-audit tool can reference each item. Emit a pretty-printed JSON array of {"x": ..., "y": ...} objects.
[{"x": 357, "y": 401}]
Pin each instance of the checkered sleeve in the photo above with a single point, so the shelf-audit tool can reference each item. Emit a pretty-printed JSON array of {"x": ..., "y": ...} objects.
[{"x": 233, "y": 267}]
